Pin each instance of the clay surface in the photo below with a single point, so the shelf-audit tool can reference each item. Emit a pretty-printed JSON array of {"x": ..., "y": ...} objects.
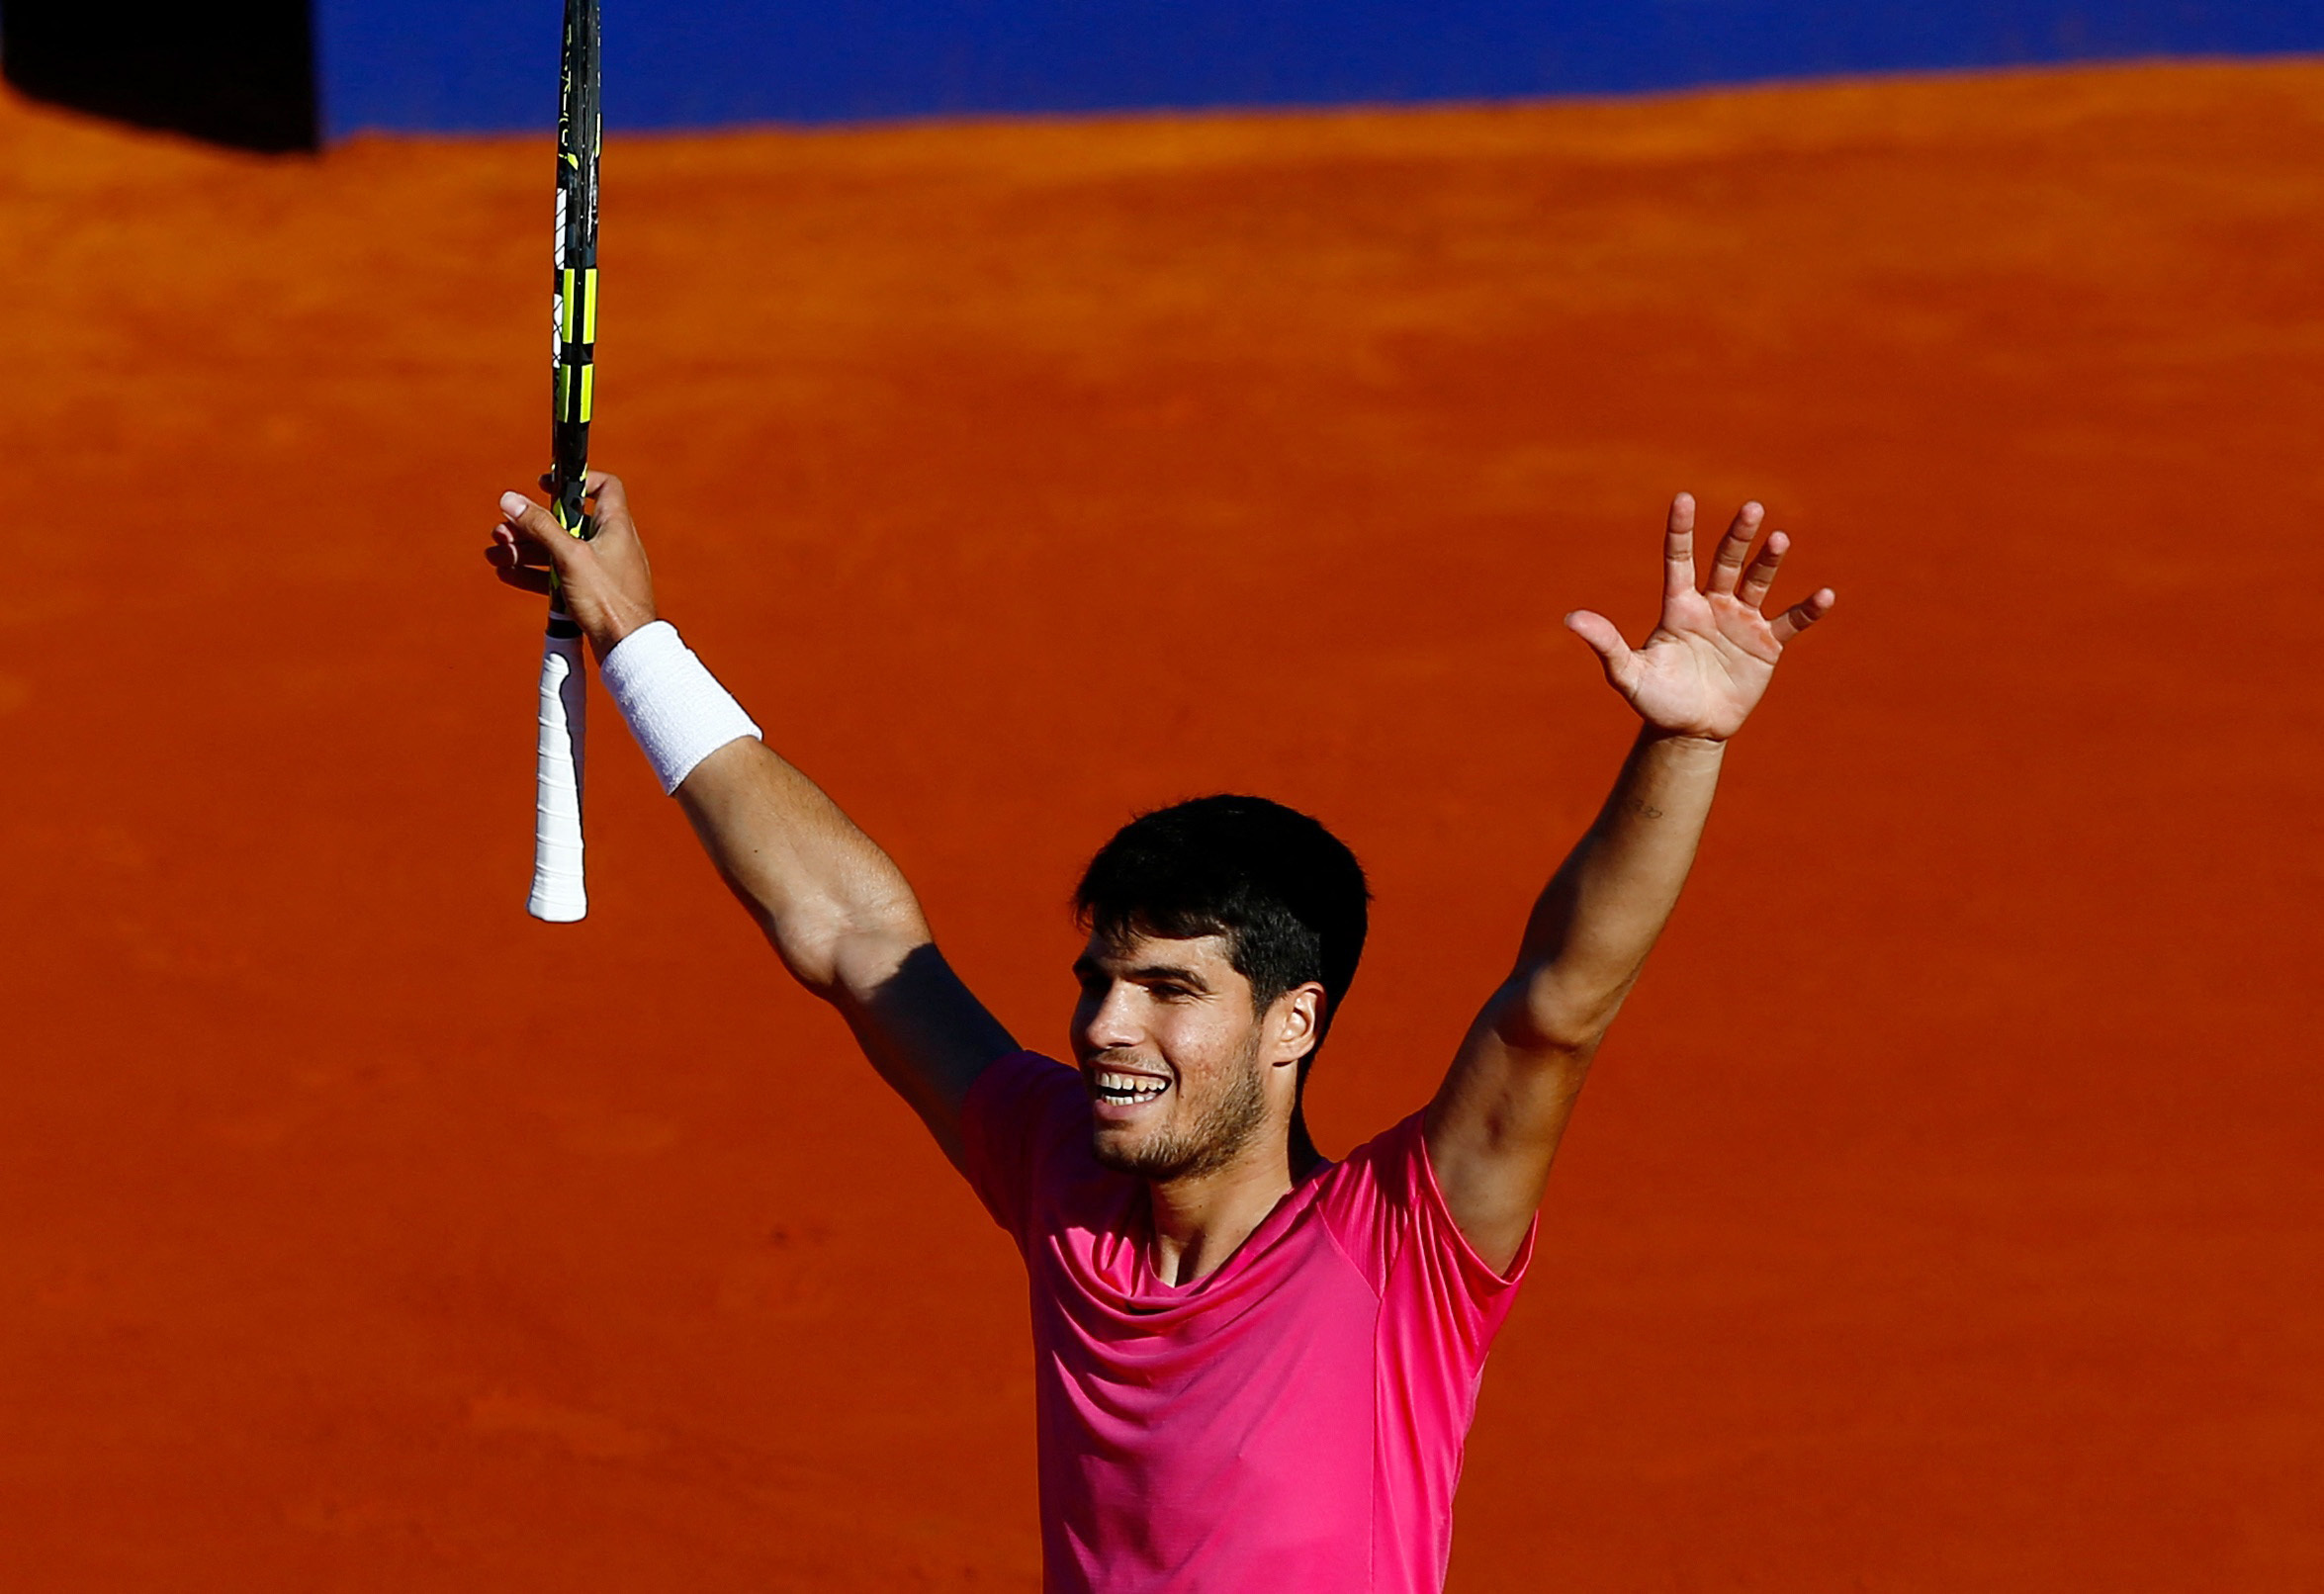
[{"x": 1944, "y": 1213}]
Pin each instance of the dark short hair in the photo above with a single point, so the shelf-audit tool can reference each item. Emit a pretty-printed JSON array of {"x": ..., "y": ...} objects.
[{"x": 1286, "y": 894}]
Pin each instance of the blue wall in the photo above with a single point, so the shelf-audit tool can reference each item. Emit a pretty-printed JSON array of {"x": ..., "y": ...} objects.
[{"x": 491, "y": 64}]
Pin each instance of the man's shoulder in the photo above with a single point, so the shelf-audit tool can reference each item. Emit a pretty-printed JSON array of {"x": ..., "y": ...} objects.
[
  {"x": 1367, "y": 1199},
  {"x": 1019, "y": 1126},
  {"x": 1385, "y": 1209},
  {"x": 1388, "y": 1157}
]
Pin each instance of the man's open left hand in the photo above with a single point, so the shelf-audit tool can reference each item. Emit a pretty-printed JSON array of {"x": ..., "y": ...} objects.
[{"x": 1707, "y": 663}]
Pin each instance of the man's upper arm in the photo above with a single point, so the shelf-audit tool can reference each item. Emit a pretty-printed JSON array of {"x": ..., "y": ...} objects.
[
  {"x": 843, "y": 918},
  {"x": 1494, "y": 1125},
  {"x": 927, "y": 1034}
]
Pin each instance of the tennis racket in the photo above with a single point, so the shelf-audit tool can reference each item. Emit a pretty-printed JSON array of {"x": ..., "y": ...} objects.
[{"x": 559, "y": 886}]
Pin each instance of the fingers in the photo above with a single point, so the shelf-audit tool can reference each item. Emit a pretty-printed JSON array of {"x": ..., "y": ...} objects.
[
  {"x": 606, "y": 584},
  {"x": 1803, "y": 614},
  {"x": 612, "y": 497},
  {"x": 529, "y": 523},
  {"x": 519, "y": 565},
  {"x": 526, "y": 581},
  {"x": 595, "y": 484},
  {"x": 508, "y": 550},
  {"x": 605, "y": 500},
  {"x": 1678, "y": 549},
  {"x": 1605, "y": 639},
  {"x": 1761, "y": 574},
  {"x": 1734, "y": 548}
]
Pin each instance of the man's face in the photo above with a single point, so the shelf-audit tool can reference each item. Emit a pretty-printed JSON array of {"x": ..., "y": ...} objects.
[{"x": 1174, "y": 1056}]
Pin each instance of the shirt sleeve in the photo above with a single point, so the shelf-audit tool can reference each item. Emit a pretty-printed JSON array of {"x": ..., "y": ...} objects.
[
  {"x": 1387, "y": 1212},
  {"x": 1021, "y": 1109}
]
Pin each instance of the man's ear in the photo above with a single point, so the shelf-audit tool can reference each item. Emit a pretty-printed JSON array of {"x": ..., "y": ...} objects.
[{"x": 1296, "y": 1023}]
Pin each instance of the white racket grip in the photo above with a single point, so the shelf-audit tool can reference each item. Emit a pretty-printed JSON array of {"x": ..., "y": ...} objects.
[{"x": 560, "y": 889}]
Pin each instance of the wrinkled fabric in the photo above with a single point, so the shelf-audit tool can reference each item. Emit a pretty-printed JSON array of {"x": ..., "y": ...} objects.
[{"x": 1292, "y": 1422}]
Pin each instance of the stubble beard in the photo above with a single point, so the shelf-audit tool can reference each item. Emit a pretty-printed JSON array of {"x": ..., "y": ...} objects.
[{"x": 1216, "y": 1138}]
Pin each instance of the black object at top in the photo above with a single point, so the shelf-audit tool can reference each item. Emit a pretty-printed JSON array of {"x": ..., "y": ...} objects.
[
  {"x": 238, "y": 73},
  {"x": 580, "y": 125}
]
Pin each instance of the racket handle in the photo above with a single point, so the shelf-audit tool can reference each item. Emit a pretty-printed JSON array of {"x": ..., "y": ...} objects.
[{"x": 560, "y": 889}]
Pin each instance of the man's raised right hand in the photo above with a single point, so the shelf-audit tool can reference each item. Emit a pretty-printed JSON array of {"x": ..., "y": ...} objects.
[{"x": 608, "y": 586}]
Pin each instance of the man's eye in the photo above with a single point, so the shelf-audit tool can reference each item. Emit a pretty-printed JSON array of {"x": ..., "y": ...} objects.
[{"x": 1168, "y": 993}]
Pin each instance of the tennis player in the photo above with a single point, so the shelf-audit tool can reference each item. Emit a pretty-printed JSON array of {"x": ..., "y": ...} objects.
[{"x": 1255, "y": 1368}]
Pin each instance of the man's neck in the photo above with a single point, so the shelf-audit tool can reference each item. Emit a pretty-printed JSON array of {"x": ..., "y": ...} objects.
[{"x": 1201, "y": 1221}]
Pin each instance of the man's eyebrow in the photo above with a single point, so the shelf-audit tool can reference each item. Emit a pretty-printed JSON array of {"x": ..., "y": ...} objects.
[
  {"x": 1085, "y": 967},
  {"x": 1170, "y": 972}
]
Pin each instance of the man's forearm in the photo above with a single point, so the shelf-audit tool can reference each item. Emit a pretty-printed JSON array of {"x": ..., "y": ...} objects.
[
  {"x": 1602, "y": 911},
  {"x": 833, "y": 904},
  {"x": 835, "y": 907},
  {"x": 846, "y": 925}
]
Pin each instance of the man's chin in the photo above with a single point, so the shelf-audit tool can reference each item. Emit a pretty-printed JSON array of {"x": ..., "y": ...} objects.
[
  {"x": 1158, "y": 1157},
  {"x": 1146, "y": 1156},
  {"x": 1122, "y": 1153}
]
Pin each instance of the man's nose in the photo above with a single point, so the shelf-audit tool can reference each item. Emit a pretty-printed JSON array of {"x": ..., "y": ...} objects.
[{"x": 1113, "y": 1023}]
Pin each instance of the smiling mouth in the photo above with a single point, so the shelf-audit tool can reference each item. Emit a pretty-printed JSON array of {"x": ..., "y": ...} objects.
[{"x": 1125, "y": 1089}]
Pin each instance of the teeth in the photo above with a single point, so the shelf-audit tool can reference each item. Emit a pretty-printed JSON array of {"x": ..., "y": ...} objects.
[{"x": 1129, "y": 1087}]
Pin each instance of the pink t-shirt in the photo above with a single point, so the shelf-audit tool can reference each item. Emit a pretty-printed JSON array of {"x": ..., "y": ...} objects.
[{"x": 1292, "y": 1424}]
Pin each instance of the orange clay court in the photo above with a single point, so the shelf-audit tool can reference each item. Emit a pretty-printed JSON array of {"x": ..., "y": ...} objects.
[{"x": 1961, "y": 1226}]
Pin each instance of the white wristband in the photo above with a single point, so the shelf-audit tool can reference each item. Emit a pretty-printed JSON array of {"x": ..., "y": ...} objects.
[{"x": 675, "y": 706}]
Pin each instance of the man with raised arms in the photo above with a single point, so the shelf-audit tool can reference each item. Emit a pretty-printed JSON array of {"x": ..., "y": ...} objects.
[{"x": 1255, "y": 1368}]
